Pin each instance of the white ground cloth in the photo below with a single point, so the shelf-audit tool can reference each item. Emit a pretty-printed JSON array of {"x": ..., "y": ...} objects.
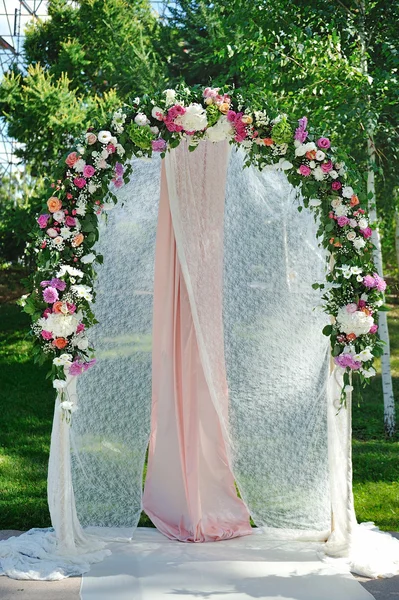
[{"x": 155, "y": 568}]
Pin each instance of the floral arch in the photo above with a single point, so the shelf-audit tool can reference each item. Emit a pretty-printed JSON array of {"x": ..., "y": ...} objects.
[{"x": 62, "y": 295}]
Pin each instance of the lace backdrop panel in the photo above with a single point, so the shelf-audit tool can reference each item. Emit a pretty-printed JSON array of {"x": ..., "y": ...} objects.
[
  {"x": 110, "y": 430},
  {"x": 276, "y": 356}
]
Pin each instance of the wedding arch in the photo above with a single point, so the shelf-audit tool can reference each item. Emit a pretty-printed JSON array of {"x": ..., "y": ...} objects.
[{"x": 248, "y": 289}]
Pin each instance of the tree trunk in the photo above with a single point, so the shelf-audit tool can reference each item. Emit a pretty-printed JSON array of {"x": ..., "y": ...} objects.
[
  {"x": 387, "y": 388},
  {"x": 397, "y": 235}
]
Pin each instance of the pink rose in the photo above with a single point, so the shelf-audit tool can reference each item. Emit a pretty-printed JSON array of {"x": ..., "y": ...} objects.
[
  {"x": 305, "y": 170},
  {"x": 80, "y": 182},
  {"x": 361, "y": 303},
  {"x": 88, "y": 171},
  {"x": 323, "y": 143},
  {"x": 80, "y": 328},
  {"x": 43, "y": 220},
  {"x": 71, "y": 159},
  {"x": 47, "y": 335},
  {"x": 47, "y": 312},
  {"x": 111, "y": 148},
  {"x": 91, "y": 138},
  {"x": 70, "y": 221},
  {"x": 336, "y": 185},
  {"x": 342, "y": 221},
  {"x": 231, "y": 116},
  {"x": 326, "y": 167},
  {"x": 367, "y": 233},
  {"x": 51, "y": 232},
  {"x": 373, "y": 328}
]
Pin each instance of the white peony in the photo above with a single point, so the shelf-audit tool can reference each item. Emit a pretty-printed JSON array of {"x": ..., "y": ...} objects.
[
  {"x": 88, "y": 258},
  {"x": 194, "y": 119},
  {"x": 347, "y": 191},
  {"x": 104, "y": 137},
  {"x": 341, "y": 210},
  {"x": 354, "y": 322},
  {"x": 363, "y": 223},
  {"x": 59, "y": 384},
  {"x": 60, "y": 325},
  {"x": 359, "y": 243},
  {"x": 141, "y": 119},
  {"x": 320, "y": 155},
  {"x": 318, "y": 174},
  {"x": 222, "y": 130},
  {"x": 170, "y": 97},
  {"x": 157, "y": 113},
  {"x": 59, "y": 216}
]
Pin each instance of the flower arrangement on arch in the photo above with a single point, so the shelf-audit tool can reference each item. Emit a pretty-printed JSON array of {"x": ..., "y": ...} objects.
[{"x": 85, "y": 183}]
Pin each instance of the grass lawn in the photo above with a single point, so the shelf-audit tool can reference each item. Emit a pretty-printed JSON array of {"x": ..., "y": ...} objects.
[{"x": 26, "y": 411}]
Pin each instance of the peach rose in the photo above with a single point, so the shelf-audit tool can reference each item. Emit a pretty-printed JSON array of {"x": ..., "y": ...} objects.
[
  {"x": 60, "y": 343},
  {"x": 77, "y": 240},
  {"x": 311, "y": 154},
  {"x": 268, "y": 141},
  {"x": 354, "y": 200},
  {"x": 57, "y": 307},
  {"x": 91, "y": 138},
  {"x": 54, "y": 204},
  {"x": 71, "y": 159},
  {"x": 224, "y": 108},
  {"x": 247, "y": 119}
]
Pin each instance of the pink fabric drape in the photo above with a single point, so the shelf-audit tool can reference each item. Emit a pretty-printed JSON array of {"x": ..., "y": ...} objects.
[{"x": 190, "y": 493}]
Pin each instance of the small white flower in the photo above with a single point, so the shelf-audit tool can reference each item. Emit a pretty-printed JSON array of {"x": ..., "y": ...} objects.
[
  {"x": 67, "y": 405},
  {"x": 92, "y": 188},
  {"x": 104, "y": 153},
  {"x": 318, "y": 174},
  {"x": 70, "y": 270},
  {"x": 88, "y": 258},
  {"x": 363, "y": 223},
  {"x": 120, "y": 150},
  {"x": 154, "y": 130},
  {"x": 359, "y": 243},
  {"x": 367, "y": 373},
  {"x": 320, "y": 155},
  {"x": 359, "y": 278},
  {"x": 81, "y": 209},
  {"x": 104, "y": 137},
  {"x": 356, "y": 270},
  {"x": 333, "y": 174},
  {"x": 141, "y": 119},
  {"x": 314, "y": 202},
  {"x": 82, "y": 291},
  {"x": 364, "y": 297},
  {"x": 59, "y": 384},
  {"x": 348, "y": 389},
  {"x": 351, "y": 236},
  {"x": 59, "y": 216},
  {"x": 66, "y": 233},
  {"x": 80, "y": 149},
  {"x": 347, "y": 191},
  {"x": 63, "y": 360},
  {"x": 312, "y": 164},
  {"x": 170, "y": 97}
]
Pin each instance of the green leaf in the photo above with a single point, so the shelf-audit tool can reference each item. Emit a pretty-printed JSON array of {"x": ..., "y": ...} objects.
[{"x": 327, "y": 330}]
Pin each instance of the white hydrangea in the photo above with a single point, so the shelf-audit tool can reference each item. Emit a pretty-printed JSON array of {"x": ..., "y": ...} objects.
[
  {"x": 170, "y": 97},
  {"x": 60, "y": 325},
  {"x": 194, "y": 119},
  {"x": 222, "y": 130},
  {"x": 356, "y": 322}
]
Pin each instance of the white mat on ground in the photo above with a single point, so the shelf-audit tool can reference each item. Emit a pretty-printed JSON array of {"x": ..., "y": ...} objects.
[{"x": 152, "y": 567}]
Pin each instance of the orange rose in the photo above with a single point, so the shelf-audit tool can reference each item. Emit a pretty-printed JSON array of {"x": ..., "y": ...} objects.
[
  {"x": 350, "y": 337},
  {"x": 77, "y": 240},
  {"x": 247, "y": 119},
  {"x": 60, "y": 343},
  {"x": 57, "y": 307},
  {"x": 54, "y": 204},
  {"x": 331, "y": 240},
  {"x": 354, "y": 200},
  {"x": 224, "y": 108},
  {"x": 337, "y": 245},
  {"x": 311, "y": 154},
  {"x": 268, "y": 141},
  {"x": 366, "y": 311}
]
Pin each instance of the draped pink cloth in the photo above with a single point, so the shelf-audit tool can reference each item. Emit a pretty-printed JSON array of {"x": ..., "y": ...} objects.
[{"x": 190, "y": 492}]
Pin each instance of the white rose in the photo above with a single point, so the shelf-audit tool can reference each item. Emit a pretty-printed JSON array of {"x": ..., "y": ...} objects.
[
  {"x": 141, "y": 119},
  {"x": 170, "y": 97},
  {"x": 194, "y": 119},
  {"x": 353, "y": 222},
  {"x": 222, "y": 130},
  {"x": 333, "y": 174},
  {"x": 320, "y": 155},
  {"x": 357, "y": 322},
  {"x": 318, "y": 174},
  {"x": 359, "y": 243},
  {"x": 82, "y": 343},
  {"x": 59, "y": 384},
  {"x": 154, "y": 130},
  {"x": 88, "y": 258},
  {"x": 59, "y": 216},
  {"x": 341, "y": 210},
  {"x": 104, "y": 137},
  {"x": 314, "y": 202},
  {"x": 347, "y": 191},
  {"x": 336, "y": 202},
  {"x": 363, "y": 223},
  {"x": 157, "y": 113},
  {"x": 364, "y": 297},
  {"x": 351, "y": 236}
]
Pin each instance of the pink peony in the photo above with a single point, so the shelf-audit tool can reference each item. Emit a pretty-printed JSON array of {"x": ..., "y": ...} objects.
[
  {"x": 70, "y": 221},
  {"x": 327, "y": 167},
  {"x": 336, "y": 185},
  {"x": 118, "y": 182},
  {"x": 323, "y": 143},
  {"x": 352, "y": 307},
  {"x": 380, "y": 284},
  {"x": 347, "y": 361},
  {"x": 373, "y": 328},
  {"x": 71, "y": 159},
  {"x": 305, "y": 170},
  {"x": 159, "y": 145},
  {"x": 88, "y": 171},
  {"x": 50, "y": 295},
  {"x": 368, "y": 281},
  {"x": 342, "y": 221},
  {"x": 119, "y": 169},
  {"x": 47, "y": 335},
  {"x": 43, "y": 220},
  {"x": 80, "y": 182},
  {"x": 367, "y": 233}
]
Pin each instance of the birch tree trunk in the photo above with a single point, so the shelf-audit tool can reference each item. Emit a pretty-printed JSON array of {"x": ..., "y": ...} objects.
[
  {"x": 387, "y": 388},
  {"x": 397, "y": 236}
]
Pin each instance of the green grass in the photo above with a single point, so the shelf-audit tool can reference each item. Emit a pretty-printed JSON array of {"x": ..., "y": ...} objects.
[{"x": 26, "y": 411}]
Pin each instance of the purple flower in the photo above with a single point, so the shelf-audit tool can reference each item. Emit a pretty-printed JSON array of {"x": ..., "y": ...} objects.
[
  {"x": 70, "y": 221},
  {"x": 76, "y": 368},
  {"x": 158, "y": 145},
  {"x": 323, "y": 143},
  {"x": 380, "y": 284},
  {"x": 45, "y": 283},
  {"x": 369, "y": 281},
  {"x": 119, "y": 169},
  {"x": 342, "y": 221},
  {"x": 43, "y": 220},
  {"x": 301, "y": 134},
  {"x": 50, "y": 295},
  {"x": 347, "y": 361},
  {"x": 118, "y": 182},
  {"x": 58, "y": 284}
]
